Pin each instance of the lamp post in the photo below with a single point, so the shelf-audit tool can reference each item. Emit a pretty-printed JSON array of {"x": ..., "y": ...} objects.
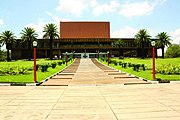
[
  {"x": 73, "y": 55},
  {"x": 108, "y": 57},
  {"x": 98, "y": 55},
  {"x": 153, "y": 43},
  {"x": 35, "y": 45},
  {"x": 66, "y": 58}
]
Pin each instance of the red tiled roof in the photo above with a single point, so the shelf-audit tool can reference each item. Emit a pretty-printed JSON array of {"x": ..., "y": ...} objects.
[{"x": 84, "y": 30}]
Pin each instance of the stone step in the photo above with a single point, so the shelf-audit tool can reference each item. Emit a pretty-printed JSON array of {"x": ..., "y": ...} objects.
[
  {"x": 111, "y": 71},
  {"x": 66, "y": 73},
  {"x": 116, "y": 73}
]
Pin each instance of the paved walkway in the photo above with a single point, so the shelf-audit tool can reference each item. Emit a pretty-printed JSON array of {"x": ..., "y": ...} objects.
[
  {"x": 80, "y": 101},
  {"x": 91, "y": 72}
]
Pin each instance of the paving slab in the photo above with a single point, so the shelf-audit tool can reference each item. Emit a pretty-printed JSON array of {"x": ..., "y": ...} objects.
[{"x": 112, "y": 102}]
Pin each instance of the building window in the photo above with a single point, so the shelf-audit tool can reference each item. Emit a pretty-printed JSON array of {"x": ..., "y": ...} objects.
[{"x": 55, "y": 45}]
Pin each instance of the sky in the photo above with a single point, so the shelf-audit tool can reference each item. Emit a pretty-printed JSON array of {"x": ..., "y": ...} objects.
[{"x": 126, "y": 17}]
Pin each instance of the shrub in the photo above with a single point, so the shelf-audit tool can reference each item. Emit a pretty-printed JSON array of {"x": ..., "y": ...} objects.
[
  {"x": 121, "y": 57},
  {"x": 120, "y": 63},
  {"x": 13, "y": 71},
  {"x": 59, "y": 63},
  {"x": 44, "y": 67},
  {"x": 143, "y": 67},
  {"x": 169, "y": 69},
  {"x": 124, "y": 65},
  {"x": 53, "y": 65},
  {"x": 136, "y": 67}
]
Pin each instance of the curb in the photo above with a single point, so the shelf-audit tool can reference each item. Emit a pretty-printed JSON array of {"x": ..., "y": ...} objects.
[{"x": 19, "y": 84}]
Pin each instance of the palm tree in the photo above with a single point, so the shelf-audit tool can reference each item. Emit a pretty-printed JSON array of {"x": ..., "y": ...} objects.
[
  {"x": 141, "y": 37},
  {"x": 29, "y": 35},
  {"x": 7, "y": 37},
  {"x": 163, "y": 39},
  {"x": 119, "y": 43},
  {"x": 51, "y": 32}
]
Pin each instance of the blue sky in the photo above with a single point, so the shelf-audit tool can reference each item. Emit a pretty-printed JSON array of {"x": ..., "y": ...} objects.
[{"x": 126, "y": 16}]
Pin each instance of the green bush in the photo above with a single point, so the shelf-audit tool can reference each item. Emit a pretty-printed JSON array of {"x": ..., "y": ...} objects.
[
  {"x": 124, "y": 65},
  {"x": 173, "y": 51},
  {"x": 53, "y": 65},
  {"x": 44, "y": 67},
  {"x": 13, "y": 71},
  {"x": 59, "y": 63},
  {"x": 169, "y": 69}
]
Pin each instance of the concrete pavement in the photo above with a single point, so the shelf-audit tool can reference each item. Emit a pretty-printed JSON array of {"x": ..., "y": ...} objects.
[
  {"x": 95, "y": 100},
  {"x": 109, "y": 102}
]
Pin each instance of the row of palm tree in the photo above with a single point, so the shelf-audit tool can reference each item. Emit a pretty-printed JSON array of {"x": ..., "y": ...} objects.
[
  {"x": 28, "y": 35},
  {"x": 142, "y": 37},
  {"x": 50, "y": 31}
]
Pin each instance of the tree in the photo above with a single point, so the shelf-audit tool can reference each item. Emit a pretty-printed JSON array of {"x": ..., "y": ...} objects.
[
  {"x": 141, "y": 37},
  {"x": 51, "y": 32},
  {"x": 173, "y": 51},
  {"x": 163, "y": 39},
  {"x": 119, "y": 43},
  {"x": 7, "y": 37},
  {"x": 29, "y": 35}
]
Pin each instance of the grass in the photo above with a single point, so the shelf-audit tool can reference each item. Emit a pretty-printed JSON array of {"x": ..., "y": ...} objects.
[
  {"x": 148, "y": 63},
  {"x": 29, "y": 78}
]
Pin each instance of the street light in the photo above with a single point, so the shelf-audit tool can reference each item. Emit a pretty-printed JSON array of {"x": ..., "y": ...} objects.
[
  {"x": 66, "y": 58},
  {"x": 73, "y": 55},
  {"x": 98, "y": 55},
  {"x": 108, "y": 57},
  {"x": 35, "y": 45},
  {"x": 153, "y": 43}
]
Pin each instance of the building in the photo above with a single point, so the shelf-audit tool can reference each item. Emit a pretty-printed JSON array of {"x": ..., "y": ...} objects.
[{"x": 82, "y": 39}]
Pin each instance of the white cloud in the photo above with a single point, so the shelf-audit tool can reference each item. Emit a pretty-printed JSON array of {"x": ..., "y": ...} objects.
[
  {"x": 77, "y": 7},
  {"x": 175, "y": 36},
  {"x": 38, "y": 27},
  {"x": 136, "y": 9},
  {"x": 93, "y": 3},
  {"x": 126, "y": 32},
  {"x": 74, "y": 7},
  {"x": 1, "y": 22},
  {"x": 55, "y": 18},
  {"x": 129, "y": 32},
  {"x": 139, "y": 8},
  {"x": 104, "y": 8}
]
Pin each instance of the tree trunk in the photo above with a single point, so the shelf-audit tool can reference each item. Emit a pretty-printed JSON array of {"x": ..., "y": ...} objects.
[
  {"x": 7, "y": 47},
  {"x": 29, "y": 50},
  {"x": 122, "y": 52},
  {"x": 143, "y": 50},
  {"x": 51, "y": 52},
  {"x": 119, "y": 51},
  {"x": 162, "y": 52}
]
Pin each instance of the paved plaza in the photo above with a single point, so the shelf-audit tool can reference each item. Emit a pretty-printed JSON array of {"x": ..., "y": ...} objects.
[{"x": 91, "y": 93}]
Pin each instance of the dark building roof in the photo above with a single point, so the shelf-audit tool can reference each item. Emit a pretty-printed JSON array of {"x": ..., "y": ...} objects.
[{"x": 84, "y": 30}]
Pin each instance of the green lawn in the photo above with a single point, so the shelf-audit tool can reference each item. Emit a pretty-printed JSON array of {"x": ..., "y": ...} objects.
[
  {"x": 147, "y": 74},
  {"x": 29, "y": 64}
]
